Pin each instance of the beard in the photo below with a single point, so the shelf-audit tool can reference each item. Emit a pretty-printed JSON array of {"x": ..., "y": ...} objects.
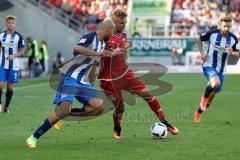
[
  {"x": 106, "y": 38},
  {"x": 225, "y": 33}
]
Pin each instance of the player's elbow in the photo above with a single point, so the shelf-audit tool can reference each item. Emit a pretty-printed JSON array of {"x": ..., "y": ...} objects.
[
  {"x": 199, "y": 41},
  {"x": 99, "y": 110},
  {"x": 77, "y": 49}
]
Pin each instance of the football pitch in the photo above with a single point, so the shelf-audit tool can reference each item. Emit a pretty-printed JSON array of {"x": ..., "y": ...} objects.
[{"x": 216, "y": 137}]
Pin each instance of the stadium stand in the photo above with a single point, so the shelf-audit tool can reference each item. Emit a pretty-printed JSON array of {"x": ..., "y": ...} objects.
[
  {"x": 88, "y": 12},
  {"x": 5, "y": 5},
  {"x": 191, "y": 17}
]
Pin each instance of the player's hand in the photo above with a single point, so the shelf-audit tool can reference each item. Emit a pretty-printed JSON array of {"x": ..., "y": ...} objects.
[
  {"x": 119, "y": 51},
  {"x": 229, "y": 50},
  {"x": 204, "y": 56},
  {"x": 10, "y": 57},
  {"x": 106, "y": 53}
]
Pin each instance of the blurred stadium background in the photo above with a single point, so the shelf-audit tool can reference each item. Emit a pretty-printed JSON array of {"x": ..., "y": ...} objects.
[{"x": 160, "y": 31}]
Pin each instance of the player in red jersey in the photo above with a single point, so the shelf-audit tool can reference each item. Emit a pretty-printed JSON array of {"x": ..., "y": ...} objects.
[{"x": 115, "y": 77}]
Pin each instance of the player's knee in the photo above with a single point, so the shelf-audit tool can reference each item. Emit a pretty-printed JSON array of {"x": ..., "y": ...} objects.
[
  {"x": 215, "y": 82},
  {"x": 99, "y": 110},
  {"x": 63, "y": 110},
  {"x": 10, "y": 86},
  {"x": 119, "y": 109},
  {"x": 95, "y": 102}
]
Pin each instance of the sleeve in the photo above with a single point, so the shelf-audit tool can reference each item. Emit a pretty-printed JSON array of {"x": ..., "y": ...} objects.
[
  {"x": 86, "y": 40},
  {"x": 21, "y": 42},
  {"x": 205, "y": 36},
  {"x": 236, "y": 46}
]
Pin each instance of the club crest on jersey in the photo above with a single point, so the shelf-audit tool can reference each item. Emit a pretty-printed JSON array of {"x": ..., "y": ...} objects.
[
  {"x": 112, "y": 97},
  {"x": 203, "y": 34},
  {"x": 82, "y": 40},
  {"x": 63, "y": 95}
]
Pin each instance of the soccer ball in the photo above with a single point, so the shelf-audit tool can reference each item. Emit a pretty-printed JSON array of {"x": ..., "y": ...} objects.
[{"x": 159, "y": 130}]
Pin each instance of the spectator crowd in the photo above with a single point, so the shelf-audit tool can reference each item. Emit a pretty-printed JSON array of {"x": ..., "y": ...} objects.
[
  {"x": 88, "y": 12},
  {"x": 191, "y": 17}
]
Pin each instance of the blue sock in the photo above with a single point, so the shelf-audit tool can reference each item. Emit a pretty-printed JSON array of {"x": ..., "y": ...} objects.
[
  {"x": 9, "y": 95},
  {"x": 208, "y": 90},
  {"x": 42, "y": 129},
  {"x": 78, "y": 110},
  {"x": 0, "y": 95}
]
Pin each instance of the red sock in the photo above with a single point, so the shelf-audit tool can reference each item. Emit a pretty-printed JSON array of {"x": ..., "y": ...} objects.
[
  {"x": 117, "y": 119},
  {"x": 156, "y": 108}
]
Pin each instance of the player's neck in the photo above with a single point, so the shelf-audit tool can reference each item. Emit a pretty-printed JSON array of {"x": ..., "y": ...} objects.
[
  {"x": 224, "y": 35},
  {"x": 10, "y": 31},
  {"x": 100, "y": 36},
  {"x": 116, "y": 34}
]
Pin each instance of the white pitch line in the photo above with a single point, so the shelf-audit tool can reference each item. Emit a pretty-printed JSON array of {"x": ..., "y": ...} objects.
[{"x": 31, "y": 86}]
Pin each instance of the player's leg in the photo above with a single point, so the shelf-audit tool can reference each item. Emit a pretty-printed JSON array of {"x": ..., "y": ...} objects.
[
  {"x": 62, "y": 110},
  {"x": 210, "y": 99},
  {"x": 1, "y": 90},
  {"x": 217, "y": 90},
  {"x": 63, "y": 100},
  {"x": 114, "y": 94},
  {"x": 9, "y": 95},
  {"x": 2, "y": 81},
  {"x": 12, "y": 78},
  {"x": 155, "y": 106},
  {"x": 92, "y": 104},
  {"x": 214, "y": 83},
  {"x": 117, "y": 117},
  {"x": 136, "y": 86}
]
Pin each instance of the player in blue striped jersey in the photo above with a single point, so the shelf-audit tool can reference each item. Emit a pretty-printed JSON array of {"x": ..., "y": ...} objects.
[
  {"x": 221, "y": 44},
  {"x": 75, "y": 82},
  {"x": 12, "y": 46}
]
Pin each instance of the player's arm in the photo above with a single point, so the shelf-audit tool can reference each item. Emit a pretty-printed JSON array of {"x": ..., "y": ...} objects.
[
  {"x": 234, "y": 51},
  {"x": 92, "y": 75},
  {"x": 21, "y": 50},
  {"x": 203, "y": 37},
  {"x": 82, "y": 47},
  {"x": 81, "y": 50}
]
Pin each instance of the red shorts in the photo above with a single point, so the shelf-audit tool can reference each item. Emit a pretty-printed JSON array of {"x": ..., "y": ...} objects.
[{"x": 113, "y": 89}]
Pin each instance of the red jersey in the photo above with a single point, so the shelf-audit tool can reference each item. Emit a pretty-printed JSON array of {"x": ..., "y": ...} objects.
[{"x": 114, "y": 67}]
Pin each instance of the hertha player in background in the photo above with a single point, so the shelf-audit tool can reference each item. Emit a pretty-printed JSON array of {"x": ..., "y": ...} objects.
[
  {"x": 115, "y": 77},
  {"x": 221, "y": 43},
  {"x": 12, "y": 46}
]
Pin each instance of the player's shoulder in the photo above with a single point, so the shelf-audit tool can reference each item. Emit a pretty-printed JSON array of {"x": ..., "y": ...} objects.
[
  {"x": 19, "y": 34},
  {"x": 124, "y": 34},
  {"x": 233, "y": 36},
  {"x": 3, "y": 32},
  {"x": 88, "y": 37}
]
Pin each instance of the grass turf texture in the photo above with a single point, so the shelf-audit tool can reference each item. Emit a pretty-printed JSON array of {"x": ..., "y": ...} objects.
[{"x": 216, "y": 137}]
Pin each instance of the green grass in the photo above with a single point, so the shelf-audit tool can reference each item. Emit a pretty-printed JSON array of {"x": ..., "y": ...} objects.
[{"x": 216, "y": 137}]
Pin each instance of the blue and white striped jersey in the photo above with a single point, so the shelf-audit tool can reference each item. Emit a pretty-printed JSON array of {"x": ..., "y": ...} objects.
[
  {"x": 217, "y": 44},
  {"x": 10, "y": 44},
  {"x": 80, "y": 66}
]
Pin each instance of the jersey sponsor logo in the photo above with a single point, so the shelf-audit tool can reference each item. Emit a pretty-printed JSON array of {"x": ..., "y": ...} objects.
[
  {"x": 9, "y": 45},
  {"x": 211, "y": 73},
  {"x": 63, "y": 95},
  {"x": 203, "y": 34},
  {"x": 112, "y": 97},
  {"x": 83, "y": 40}
]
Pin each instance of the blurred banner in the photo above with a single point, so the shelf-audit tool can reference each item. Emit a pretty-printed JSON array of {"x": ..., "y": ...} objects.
[
  {"x": 151, "y": 7},
  {"x": 161, "y": 46}
]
